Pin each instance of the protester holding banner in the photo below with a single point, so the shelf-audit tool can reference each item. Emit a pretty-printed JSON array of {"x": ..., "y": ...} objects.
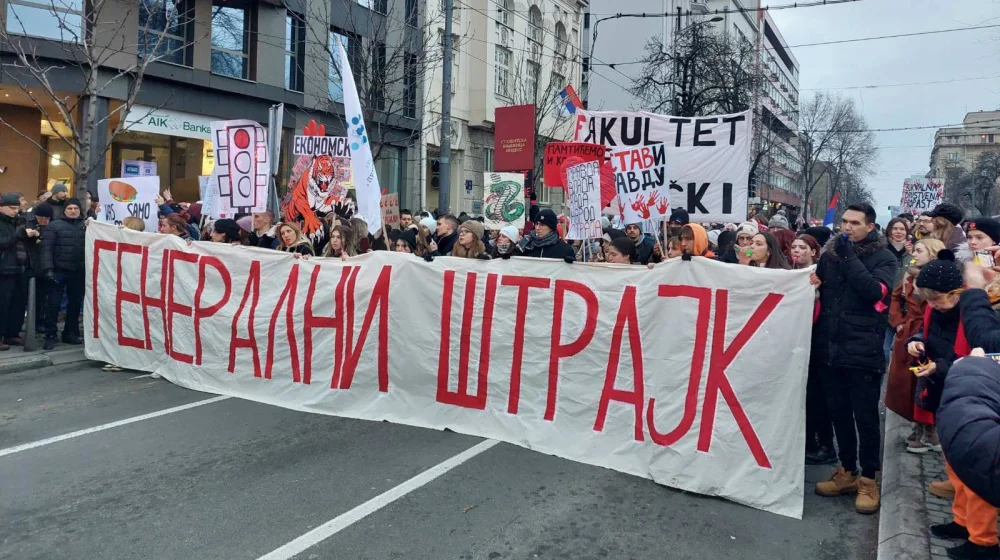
[
  {"x": 470, "y": 242},
  {"x": 856, "y": 272},
  {"x": 406, "y": 242},
  {"x": 764, "y": 252},
  {"x": 506, "y": 242},
  {"x": 544, "y": 241},
  {"x": 341, "y": 244},
  {"x": 694, "y": 241},
  {"x": 174, "y": 224},
  {"x": 291, "y": 239},
  {"x": 63, "y": 255},
  {"x": 226, "y": 230},
  {"x": 644, "y": 245},
  {"x": 620, "y": 251},
  {"x": 946, "y": 220}
]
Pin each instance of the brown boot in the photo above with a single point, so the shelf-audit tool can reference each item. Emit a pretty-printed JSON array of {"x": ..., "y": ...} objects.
[
  {"x": 942, "y": 489},
  {"x": 868, "y": 496},
  {"x": 842, "y": 482}
]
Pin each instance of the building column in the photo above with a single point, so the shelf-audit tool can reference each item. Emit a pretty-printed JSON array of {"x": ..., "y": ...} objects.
[{"x": 98, "y": 140}]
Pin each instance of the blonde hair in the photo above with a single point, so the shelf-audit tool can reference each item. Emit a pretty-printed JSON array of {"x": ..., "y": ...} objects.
[
  {"x": 299, "y": 238},
  {"x": 932, "y": 245},
  {"x": 346, "y": 241},
  {"x": 133, "y": 223}
]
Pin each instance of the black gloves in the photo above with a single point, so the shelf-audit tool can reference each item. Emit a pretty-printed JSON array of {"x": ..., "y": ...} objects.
[
  {"x": 685, "y": 256},
  {"x": 505, "y": 256},
  {"x": 569, "y": 259},
  {"x": 429, "y": 257},
  {"x": 844, "y": 247}
]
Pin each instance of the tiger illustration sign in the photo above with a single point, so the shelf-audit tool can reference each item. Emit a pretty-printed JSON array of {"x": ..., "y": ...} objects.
[
  {"x": 503, "y": 203},
  {"x": 320, "y": 177}
]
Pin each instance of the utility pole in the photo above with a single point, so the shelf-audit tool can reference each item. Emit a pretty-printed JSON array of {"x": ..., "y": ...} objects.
[
  {"x": 444, "y": 194},
  {"x": 673, "y": 82}
]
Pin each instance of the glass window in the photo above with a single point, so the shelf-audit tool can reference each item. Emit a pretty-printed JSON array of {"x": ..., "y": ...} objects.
[
  {"x": 231, "y": 41},
  {"x": 377, "y": 5},
  {"x": 412, "y": 13},
  {"x": 389, "y": 168},
  {"x": 163, "y": 30},
  {"x": 376, "y": 89},
  {"x": 503, "y": 12},
  {"x": 560, "y": 39},
  {"x": 535, "y": 25},
  {"x": 61, "y": 20},
  {"x": 295, "y": 46},
  {"x": 335, "y": 84},
  {"x": 557, "y": 83},
  {"x": 534, "y": 71},
  {"x": 502, "y": 72},
  {"x": 410, "y": 86}
]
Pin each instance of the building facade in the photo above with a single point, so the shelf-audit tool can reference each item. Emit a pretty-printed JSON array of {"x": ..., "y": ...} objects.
[
  {"x": 215, "y": 60},
  {"x": 957, "y": 148},
  {"x": 505, "y": 52}
]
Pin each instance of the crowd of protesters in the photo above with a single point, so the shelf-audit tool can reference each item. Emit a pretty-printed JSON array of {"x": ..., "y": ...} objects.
[{"x": 899, "y": 308}]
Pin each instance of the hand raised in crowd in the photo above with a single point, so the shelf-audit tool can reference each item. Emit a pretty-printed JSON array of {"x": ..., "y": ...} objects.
[
  {"x": 925, "y": 370},
  {"x": 31, "y": 232},
  {"x": 975, "y": 277},
  {"x": 909, "y": 247},
  {"x": 432, "y": 246},
  {"x": 743, "y": 255},
  {"x": 300, "y": 256},
  {"x": 915, "y": 348}
]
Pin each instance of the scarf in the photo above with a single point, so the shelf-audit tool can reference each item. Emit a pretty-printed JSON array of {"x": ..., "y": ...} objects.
[{"x": 531, "y": 241}]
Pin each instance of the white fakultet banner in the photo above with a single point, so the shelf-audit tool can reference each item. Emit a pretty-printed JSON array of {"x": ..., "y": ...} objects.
[
  {"x": 706, "y": 165},
  {"x": 666, "y": 373}
]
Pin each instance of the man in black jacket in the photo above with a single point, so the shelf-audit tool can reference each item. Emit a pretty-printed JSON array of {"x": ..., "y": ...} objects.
[
  {"x": 644, "y": 244},
  {"x": 857, "y": 274},
  {"x": 58, "y": 199},
  {"x": 38, "y": 219},
  {"x": 544, "y": 241},
  {"x": 13, "y": 261},
  {"x": 63, "y": 255},
  {"x": 447, "y": 234}
]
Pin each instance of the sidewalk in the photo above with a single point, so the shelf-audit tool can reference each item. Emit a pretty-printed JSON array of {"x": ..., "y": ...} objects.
[
  {"x": 17, "y": 360},
  {"x": 908, "y": 509}
]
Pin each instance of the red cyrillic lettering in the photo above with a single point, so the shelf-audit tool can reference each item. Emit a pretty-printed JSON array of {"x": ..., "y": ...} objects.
[
  {"x": 461, "y": 396},
  {"x": 311, "y": 321},
  {"x": 174, "y": 308},
  {"x": 523, "y": 283},
  {"x": 253, "y": 286},
  {"x": 352, "y": 353},
  {"x": 157, "y": 302},
  {"x": 704, "y": 298},
  {"x": 201, "y": 312},
  {"x": 717, "y": 380},
  {"x": 121, "y": 296},
  {"x": 560, "y": 350},
  {"x": 627, "y": 313},
  {"x": 99, "y": 245},
  {"x": 288, "y": 293}
]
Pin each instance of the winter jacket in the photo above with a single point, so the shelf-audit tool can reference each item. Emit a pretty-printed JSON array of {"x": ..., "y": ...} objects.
[
  {"x": 644, "y": 250},
  {"x": 701, "y": 242},
  {"x": 64, "y": 245},
  {"x": 968, "y": 425},
  {"x": 980, "y": 321},
  {"x": 558, "y": 250},
  {"x": 33, "y": 245},
  {"x": 903, "y": 258},
  {"x": 267, "y": 241},
  {"x": 301, "y": 248},
  {"x": 906, "y": 312},
  {"x": 58, "y": 207},
  {"x": 944, "y": 342},
  {"x": 854, "y": 296},
  {"x": 13, "y": 257},
  {"x": 446, "y": 244}
]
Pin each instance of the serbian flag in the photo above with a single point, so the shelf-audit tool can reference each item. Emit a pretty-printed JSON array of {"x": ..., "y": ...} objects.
[
  {"x": 570, "y": 100},
  {"x": 831, "y": 211}
]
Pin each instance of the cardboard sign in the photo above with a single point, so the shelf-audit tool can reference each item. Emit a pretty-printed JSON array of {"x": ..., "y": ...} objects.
[
  {"x": 920, "y": 195},
  {"x": 129, "y": 196},
  {"x": 389, "y": 207},
  {"x": 599, "y": 376},
  {"x": 504, "y": 202},
  {"x": 584, "y": 186},
  {"x": 239, "y": 180},
  {"x": 557, "y": 152}
]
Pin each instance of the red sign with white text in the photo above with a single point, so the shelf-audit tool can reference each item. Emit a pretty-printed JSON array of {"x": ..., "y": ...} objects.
[{"x": 514, "y": 138}]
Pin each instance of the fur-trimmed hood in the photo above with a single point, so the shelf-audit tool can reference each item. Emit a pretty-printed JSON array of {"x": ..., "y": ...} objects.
[
  {"x": 964, "y": 253},
  {"x": 870, "y": 245}
]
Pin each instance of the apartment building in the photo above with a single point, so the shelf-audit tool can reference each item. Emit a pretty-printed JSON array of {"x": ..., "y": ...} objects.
[
  {"x": 217, "y": 60},
  {"x": 506, "y": 52},
  {"x": 956, "y": 148}
]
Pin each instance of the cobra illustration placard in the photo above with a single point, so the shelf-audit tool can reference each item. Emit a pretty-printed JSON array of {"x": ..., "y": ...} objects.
[{"x": 503, "y": 203}]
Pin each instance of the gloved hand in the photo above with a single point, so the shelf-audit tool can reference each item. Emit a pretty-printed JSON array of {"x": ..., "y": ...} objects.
[
  {"x": 844, "y": 247},
  {"x": 505, "y": 256},
  {"x": 429, "y": 257},
  {"x": 685, "y": 256},
  {"x": 569, "y": 259}
]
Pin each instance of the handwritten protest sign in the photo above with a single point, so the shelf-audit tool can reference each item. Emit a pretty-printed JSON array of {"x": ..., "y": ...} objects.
[
  {"x": 584, "y": 185},
  {"x": 641, "y": 184},
  {"x": 708, "y": 157},
  {"x": 557, "y": 152},
  {"x": 389, "y": 207},
  {"x": 599, "y": 377},
  {"x": 129, "y": 196},
  {"x": 504, "y": 203},
  {"x": 921, "y": 194}
]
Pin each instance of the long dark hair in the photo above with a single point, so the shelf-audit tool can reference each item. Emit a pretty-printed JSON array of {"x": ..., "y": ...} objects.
[
  {"x": 775, "y": 259},
  {"x": 892, "y": 222}
]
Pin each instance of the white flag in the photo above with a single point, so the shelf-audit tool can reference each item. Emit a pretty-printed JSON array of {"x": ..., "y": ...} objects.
[{"x": 366, "y": 186}]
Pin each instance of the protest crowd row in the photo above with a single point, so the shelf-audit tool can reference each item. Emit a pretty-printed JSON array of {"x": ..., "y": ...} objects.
[{"x": 907, "y": 302}]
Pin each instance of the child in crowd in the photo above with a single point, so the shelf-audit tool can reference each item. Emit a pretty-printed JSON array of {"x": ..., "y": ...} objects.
[{"x": 674, "y": 248}]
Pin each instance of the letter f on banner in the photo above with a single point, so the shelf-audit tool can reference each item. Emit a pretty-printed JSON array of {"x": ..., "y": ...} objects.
[{"x": 366, "y": 185}]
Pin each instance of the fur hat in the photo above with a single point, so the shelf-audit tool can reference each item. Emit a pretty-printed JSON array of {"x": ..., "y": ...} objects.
[
  {"x": 989, "y": 226},
  {"x": 941, "y": 274}
]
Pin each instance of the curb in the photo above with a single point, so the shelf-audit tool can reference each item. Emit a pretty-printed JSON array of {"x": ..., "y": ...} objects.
[
  {"x": 16, "y": 364},
  {"x": 903, "y": 522}
]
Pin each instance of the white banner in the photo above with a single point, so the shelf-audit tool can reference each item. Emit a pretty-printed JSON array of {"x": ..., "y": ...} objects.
[
  {"x": 707, "y": 159},
  {"x": 583, "y": 182},
  {"x": 668, "y": 374},
  {"x": 920, "y": 195},
  {"x": 239, "y": 180},
  {"x": 129, "y": 196},
  {"x": 504, "y": 200}
]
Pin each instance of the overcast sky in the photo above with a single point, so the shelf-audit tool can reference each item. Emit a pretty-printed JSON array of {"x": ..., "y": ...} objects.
[{"x": 947, "y": 56}]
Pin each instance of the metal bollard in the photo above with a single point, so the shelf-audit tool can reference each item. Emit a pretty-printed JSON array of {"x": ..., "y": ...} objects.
[{"x": 30, "y": 338}]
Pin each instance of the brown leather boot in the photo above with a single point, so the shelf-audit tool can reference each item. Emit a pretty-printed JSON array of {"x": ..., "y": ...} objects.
[
  {"x": 868, "y": 496},
  {"x": 842, "y": 482},
  {"x": 942, "y": 489}
]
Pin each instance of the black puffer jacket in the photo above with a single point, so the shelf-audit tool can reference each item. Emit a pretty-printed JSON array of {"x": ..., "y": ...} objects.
[
  {"x": 968, "y": 423},
  {"x": 33, "y": 245},
  {"x": 852, "y": 327},
  {"x": 13, "y": 257},
  {"x": 980, "y": 321},
  {"x": 64, "y": 245}
]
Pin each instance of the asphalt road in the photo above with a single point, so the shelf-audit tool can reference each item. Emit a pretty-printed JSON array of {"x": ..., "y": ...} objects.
[{"x": 233, "y": 479}]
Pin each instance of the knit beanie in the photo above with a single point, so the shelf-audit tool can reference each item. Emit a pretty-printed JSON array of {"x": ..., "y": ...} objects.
[
  {"x": 73, "y": 202},
  {"x": 44, "y": 210},
  {"x": 942, "y": 274},
  {"x": 820, "y": 233},
  {"x": 510, "y": 232},
  {"x": 58, "y": 188},
  {"x": 245, "y": 223},
  {"x": 410, "y": 237},
  {"x": 475, "y": 227},
  {"x": 989, "y": 226},
  {"x": 948, "y": 211},
  {"x": 778, "y": 220},
  {"x": 547, "y": 217},
  {"x": 748, "y": 228},
  {"x": 429, "y": 223}
]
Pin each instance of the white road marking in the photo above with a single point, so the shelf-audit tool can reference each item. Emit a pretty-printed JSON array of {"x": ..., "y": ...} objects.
[
  {"x": 102, "y": 427},
  {"x": 345, "y": 520},
  {"x": 140, "y": 376}
]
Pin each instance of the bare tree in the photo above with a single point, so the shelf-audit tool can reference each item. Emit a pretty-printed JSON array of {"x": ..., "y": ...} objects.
[
  {"x": 390, "y": 52},
  {"x": 976, "y": 190},
  {"x": 88, "y": 48}
]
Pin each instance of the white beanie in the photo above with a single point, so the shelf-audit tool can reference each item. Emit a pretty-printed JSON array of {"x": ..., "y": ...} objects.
[
  {"x": 510, "y": 232},
  {"x": 429, "y": 223},
  {"x": 748, "y": 227}
]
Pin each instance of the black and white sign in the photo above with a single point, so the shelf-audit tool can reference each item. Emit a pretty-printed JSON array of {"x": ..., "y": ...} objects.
[{"x": 336, "y": 146}]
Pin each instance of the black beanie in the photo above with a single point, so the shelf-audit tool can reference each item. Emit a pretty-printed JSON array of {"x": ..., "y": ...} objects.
[
  {"x": 680, "y": 216},
  {"x": 410, "y": 237},
  {"x": 989, "y": 226},
  {"x": 44, "y": 210},
  {"x": 948, "y": 211},
  {"x": 820, "y": 233},
  {"x": 942, "y": 274},
  {"x": 73, "y": 202},
  {"x": 547, "y": 217}
]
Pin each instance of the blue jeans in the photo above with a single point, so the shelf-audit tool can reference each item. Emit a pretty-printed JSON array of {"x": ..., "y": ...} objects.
[{"x": 890, "y": 335}]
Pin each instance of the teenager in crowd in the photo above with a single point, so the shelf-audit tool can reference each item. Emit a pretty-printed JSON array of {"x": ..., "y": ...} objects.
[
  {"x": 897, "y": 235},
  {"x": 544, "y": 242},
  {"x": 644, "y": 244},
  {"x": 946, "y": 220},
  {"x": 291, "y": 240},
  {"x": 620, "y": 251},
  {"x": 764, "y": 252},
  {"x": 341, "y": 243},
  {"x": 226, "y": 231},
  {"x": 425, "y": 237},
  {"x": 694, "y": 241},
  {"x": 175, "y": 225},
  {"x": 446, "y": 234},
  {"x": 506, "y": 241},
  {"x": 360, "y": 237},
  {"x": 906, "y": 318},
  {"x": 470, "y": 242},
  {"x": 406, "y": 241},
  {"x": 982, "y": 234},
  {"x": 744, "y": 238},
  {"x": 674, "y": 247}
]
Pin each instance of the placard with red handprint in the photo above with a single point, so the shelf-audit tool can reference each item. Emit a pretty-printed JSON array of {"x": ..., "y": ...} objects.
[{"x": 641, "y": 184}]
